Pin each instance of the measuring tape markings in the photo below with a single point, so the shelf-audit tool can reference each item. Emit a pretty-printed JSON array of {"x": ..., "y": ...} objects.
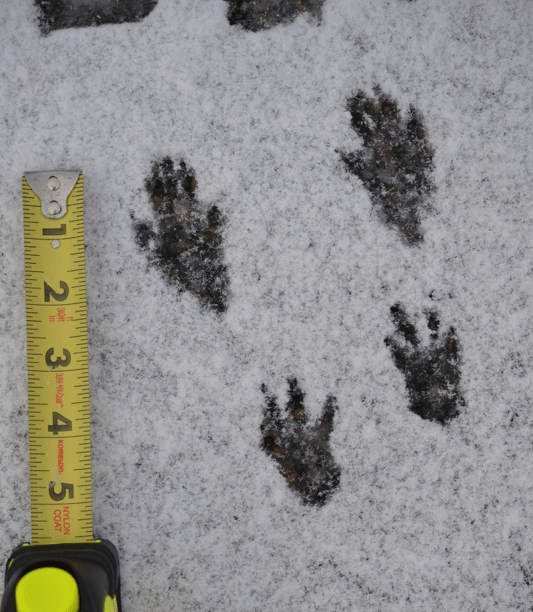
[
  {"x": 58, "y": 381},
  {"x": 64, "y": 568}
]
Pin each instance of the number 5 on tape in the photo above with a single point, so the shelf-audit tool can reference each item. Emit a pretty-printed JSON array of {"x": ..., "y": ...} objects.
[{"x": 64, "y": 568}]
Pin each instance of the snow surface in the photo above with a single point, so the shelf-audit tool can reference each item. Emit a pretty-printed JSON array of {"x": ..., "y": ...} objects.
[{"x": 427, "y": 517}]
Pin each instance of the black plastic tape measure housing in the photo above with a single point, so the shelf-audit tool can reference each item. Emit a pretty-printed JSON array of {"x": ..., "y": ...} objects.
[{"x": 94, "y": 566}]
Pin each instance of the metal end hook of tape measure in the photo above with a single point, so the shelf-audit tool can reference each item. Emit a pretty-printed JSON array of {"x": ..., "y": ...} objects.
[{"x": 53, "y": 189}]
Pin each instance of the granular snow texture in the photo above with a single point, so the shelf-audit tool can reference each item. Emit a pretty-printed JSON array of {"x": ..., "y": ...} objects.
[{"x": 205, "y": 488}]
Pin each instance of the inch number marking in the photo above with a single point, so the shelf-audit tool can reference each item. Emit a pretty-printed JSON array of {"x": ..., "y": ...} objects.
[
  {"x": 60, "y": 297},
  {"x": 56, "y": 428},
  {"x": 65, "y": 488},
  {"x": 63, "y": 363},
  {"x": 55, "y": 231}
]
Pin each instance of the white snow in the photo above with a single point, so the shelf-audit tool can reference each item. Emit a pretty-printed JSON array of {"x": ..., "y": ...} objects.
[{"x": 426, "y": 518}]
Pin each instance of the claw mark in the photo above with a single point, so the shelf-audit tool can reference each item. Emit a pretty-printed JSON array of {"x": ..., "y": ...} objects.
[
  {"x": 186, "y": 243},
  {"x": 60, "y": 14},
  {"x": 432, "y": 374},
  {"x": 255, "y": 15},
  {"x": 302, "y": 452},
  {"x": 396, "y": 162}
]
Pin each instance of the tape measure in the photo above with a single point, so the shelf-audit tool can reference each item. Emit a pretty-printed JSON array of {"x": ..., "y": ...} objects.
[
  {"x": 58, "y": 370},
  {"x": 64, "y": 568}
]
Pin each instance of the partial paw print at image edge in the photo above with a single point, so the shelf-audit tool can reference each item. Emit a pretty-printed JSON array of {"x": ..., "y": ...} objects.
[
  {"x": 432, "y": 373},
  {"x": 302, "y": 452},
  {"x": 185, "y": 240},
  {"x": 61, "y": 14},
  {"x": 256, "y": 15}
]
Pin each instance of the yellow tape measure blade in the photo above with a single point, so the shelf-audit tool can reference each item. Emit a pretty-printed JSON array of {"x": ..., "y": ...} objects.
[{"x": 58, "y": 373}]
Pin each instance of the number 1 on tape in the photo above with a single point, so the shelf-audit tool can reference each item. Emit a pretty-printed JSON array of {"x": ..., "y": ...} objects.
[{"x": 58, "y": 374}]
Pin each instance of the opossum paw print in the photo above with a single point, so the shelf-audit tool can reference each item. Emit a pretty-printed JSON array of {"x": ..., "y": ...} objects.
[
  {"x": 302, "y": 452},
  {"x": 185, "y": 240},
  {"x": 396, "y": 162},
  {"x": 432, "y": 373},
  {"x": 255, "y": 15}
]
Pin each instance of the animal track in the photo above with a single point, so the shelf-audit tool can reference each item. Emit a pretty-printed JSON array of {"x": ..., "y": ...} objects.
[
  {"x": 185, "y": 241},
  {"x": 255, "y": 15},
  {"x": 432, "y": 373},
  {"x": 396, "y": 162},
  {"x": 59, "y": 14},
  {"x": 302, "y": 452}
]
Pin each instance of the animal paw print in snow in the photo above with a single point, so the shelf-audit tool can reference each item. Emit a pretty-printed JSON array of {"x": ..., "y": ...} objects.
[
  {"x": 396, "y": 162},
  {"x": 302, "y": 452},
  {"x": 432, "y": 373},
  {"x": 255, "y": 15},
  {"x": 59, "y": 14},
  {"x": 185, "y": 240}
]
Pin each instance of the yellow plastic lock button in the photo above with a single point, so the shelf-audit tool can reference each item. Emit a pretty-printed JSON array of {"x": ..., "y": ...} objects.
[
  {"x": 47, "y": 589},
  {"x": 110, "y": 605}
]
